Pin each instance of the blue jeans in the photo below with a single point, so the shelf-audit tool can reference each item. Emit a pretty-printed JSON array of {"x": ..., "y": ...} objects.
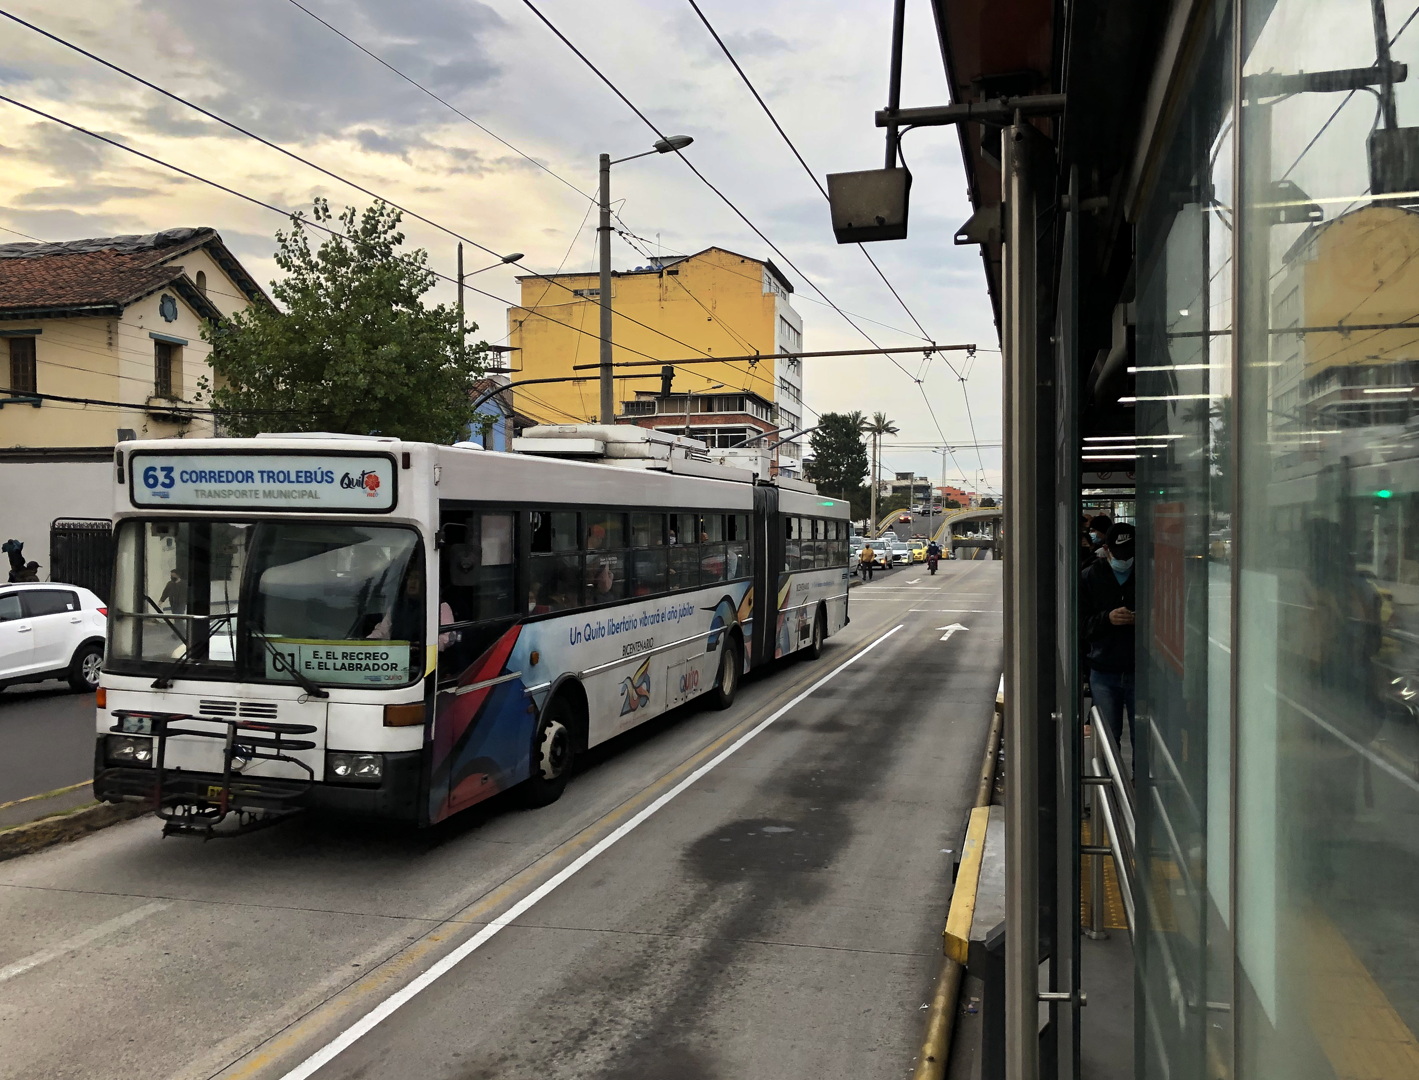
[{"x": 1112, "y": 692}]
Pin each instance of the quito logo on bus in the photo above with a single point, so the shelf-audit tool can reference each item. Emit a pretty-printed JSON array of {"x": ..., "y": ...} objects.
[{"x": 368, "y": 480}]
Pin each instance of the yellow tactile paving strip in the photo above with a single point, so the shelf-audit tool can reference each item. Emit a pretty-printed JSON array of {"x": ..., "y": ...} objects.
[
  {"x": 1114, "y": 918},
  {"x": 1356, "y": 1026}
]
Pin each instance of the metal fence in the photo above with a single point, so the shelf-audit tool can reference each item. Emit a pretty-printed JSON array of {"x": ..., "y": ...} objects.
[{"x": 81, "y": 553}]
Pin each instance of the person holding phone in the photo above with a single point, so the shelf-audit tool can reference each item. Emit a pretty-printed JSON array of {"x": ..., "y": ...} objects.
[{"x": 1106, "y": 608}]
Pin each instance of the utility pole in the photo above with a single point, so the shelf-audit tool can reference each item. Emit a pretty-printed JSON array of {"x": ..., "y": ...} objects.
[
  {"x": 873, "y": 523},
  {"x": 460, "y": 298},
  {"x": 603, "y": 233}
]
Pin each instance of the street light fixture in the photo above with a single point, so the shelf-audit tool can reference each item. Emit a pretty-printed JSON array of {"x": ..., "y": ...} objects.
[
  {"x": 516, "y": 256},
  {"x": 603, "y": 231}
]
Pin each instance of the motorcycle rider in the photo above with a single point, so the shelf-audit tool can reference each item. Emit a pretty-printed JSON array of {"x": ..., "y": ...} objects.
[{"x": 933, "y": 555}]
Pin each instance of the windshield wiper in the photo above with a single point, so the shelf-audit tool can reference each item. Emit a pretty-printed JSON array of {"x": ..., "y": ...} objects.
[
  {"x": 283, "y": 664},
  {"x": 164, "y": 679}
]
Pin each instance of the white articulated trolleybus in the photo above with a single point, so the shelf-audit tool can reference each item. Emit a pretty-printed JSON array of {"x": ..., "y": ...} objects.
[{"x": 401, "y": 630}]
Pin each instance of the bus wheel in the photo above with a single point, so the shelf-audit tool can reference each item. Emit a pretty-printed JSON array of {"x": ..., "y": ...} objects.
[
  {"x": 814, "y": 649},
  {"x": 726, "y": 686},
  {"x": 551, "y": 756}
]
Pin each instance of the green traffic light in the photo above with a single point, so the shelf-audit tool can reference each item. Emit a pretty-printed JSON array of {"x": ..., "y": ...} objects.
[{"x": 1384, "y": 493}]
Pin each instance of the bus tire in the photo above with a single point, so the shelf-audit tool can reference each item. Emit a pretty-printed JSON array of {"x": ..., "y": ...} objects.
[
  {"x": 553, "y": 751},
  {"x": 814, "y": 648},
  {"x": 731, "y": 669}
]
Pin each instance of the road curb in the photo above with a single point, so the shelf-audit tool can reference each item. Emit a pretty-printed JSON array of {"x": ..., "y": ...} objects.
[{"x": 37, "y": 835}]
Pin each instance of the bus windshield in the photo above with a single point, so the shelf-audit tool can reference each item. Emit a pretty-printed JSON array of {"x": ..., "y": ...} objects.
[{"x": 343, "y": 604}]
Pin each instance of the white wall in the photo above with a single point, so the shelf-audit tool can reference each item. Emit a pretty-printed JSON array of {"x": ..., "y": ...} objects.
[{"x": 34, "y": 493}]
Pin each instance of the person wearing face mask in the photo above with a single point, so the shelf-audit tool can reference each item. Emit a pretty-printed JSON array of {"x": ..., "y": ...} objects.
[
  {"x": 1106, "y": 605},
  {"x": 1099, "y": 527}
]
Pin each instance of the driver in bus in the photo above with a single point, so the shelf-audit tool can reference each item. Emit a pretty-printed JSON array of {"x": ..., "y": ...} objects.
[{"x": 403, "y": 621}]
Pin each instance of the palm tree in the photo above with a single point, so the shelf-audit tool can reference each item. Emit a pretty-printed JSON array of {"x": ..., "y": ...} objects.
[{"x": 878, "y": 426}]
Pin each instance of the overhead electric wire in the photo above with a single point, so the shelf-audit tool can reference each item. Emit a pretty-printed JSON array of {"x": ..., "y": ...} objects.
[
  {"x": 699, "y": 175},
  {"x": 446, "y": 104},
  {"x": 811, "y": 174},
  {"x": 304, "y": 161},
  {"x": 1344, "y": 101},
  {"x": 288, "y": 214},
  {"x": 823, "y": 191}
]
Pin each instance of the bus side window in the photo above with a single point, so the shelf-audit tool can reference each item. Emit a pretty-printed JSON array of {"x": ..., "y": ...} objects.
[
  {"x": 684, "y": 569},
  {"x": 738, "y": 546},
  {"x": 478, "y": 584},
  {"x": 712, "y": 548},
  {"x": 649, "y": 557},
  {"x": 554, "y": 571},
  {"x": 605, "y": 569}
]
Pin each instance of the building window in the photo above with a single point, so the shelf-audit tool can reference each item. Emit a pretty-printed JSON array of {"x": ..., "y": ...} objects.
[
  {"x": 587, "y": 294},
  {"x": 201, "y": 282},
  {"x": 790, "y": 336},
  {"x": 22, "y": 365},
  {"x": 167, "y": 370}
]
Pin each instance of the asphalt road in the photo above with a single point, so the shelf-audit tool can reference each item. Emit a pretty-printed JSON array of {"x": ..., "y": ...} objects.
[
  {"x": 752, "y": 893},
  {"x": 46, "y": 739}
]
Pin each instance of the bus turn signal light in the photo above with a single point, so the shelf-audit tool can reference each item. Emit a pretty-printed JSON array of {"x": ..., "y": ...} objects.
[
  {"x": 101, "y": 698},
  {"x": 411, "y": 715}
]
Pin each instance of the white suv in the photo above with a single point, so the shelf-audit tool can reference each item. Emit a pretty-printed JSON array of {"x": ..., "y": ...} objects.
[{"x": 51, "y": 631}]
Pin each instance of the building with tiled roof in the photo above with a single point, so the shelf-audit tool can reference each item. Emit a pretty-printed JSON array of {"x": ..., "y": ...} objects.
[{"x": 102, "y": 339}]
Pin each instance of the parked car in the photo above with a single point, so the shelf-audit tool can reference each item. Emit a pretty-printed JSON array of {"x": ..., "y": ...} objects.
[{"x": 51, "y": 631}]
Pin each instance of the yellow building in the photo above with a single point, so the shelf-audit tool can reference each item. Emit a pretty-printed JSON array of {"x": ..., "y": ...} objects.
[
  {"x": 102, "y": 339},
  {"x": 715, "y": 303}
]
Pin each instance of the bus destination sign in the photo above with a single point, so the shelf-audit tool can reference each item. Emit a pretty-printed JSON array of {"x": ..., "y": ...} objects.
[{"x": 317, "y": 482}]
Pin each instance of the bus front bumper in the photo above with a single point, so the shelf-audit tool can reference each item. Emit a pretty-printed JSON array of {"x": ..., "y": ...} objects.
[{"x": 396, "y": 797}]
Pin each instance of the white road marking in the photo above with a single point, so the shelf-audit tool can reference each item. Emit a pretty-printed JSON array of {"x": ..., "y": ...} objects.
[
  {"x": 78, "y": 941},
  {"x": 957, "y": 611},
  {"x": 398, "y": 1000},
  {"x": 954, "y": 628}
]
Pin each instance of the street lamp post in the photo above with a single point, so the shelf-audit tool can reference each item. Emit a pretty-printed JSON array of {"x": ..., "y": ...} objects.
[
  {"x": 608, "y": 385},
  {"x": 516, "y": 256}
]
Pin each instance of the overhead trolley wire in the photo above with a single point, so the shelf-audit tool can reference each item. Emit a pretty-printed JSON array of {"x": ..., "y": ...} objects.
[
  {"x": 304, "y": 161},
  {"x": 823, "y": 191},
  {"x": 445, "y": 103},
  {"x": 694, "y": 169},
  {"x": 288, "y": 214},
  {"x": 811, "y": 174}
]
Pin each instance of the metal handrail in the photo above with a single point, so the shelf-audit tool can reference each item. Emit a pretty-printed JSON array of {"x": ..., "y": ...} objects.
[{"x": 1116, "y": 809}]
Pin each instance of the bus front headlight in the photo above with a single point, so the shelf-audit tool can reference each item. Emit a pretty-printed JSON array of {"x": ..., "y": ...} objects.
[
  {"x": 348, "y": 768},
  {"x": 129, "y": 750}
]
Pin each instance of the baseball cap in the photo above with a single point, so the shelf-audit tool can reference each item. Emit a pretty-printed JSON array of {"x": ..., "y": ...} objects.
[{"x": 1119, "y": 539}]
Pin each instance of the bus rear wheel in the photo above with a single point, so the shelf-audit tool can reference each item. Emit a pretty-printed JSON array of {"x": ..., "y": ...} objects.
[
  {"x": 552, "y": 755},
  {"x": 814, "y": 648},
  {"x": 726, "y": 684}
]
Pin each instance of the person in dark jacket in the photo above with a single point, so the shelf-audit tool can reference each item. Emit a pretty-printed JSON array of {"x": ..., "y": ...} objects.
[{"x": 1106, "y": 606}]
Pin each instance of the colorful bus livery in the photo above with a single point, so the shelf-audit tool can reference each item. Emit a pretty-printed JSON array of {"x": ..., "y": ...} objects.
[{"x": 466, "y": 624}]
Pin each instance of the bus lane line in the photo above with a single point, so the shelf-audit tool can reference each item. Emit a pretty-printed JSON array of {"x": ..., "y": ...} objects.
[
  {"x": 400, "y": 998},
  {"x": 78, "y": 941},
  {"x": 271, "y": 1049}
]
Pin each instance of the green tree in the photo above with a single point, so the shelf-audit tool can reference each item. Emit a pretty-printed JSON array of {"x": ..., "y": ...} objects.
[
  {"x": 951, "y": 504},
  {"x": 839, "y": 457},
  {"x": 987, "y": 501},
  {"x": 351, "y": 346},
  {"x": 877, "y": 427}
]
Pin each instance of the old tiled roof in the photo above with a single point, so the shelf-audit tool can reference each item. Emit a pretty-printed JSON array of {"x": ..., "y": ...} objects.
[{"x": 109, "y": 272}]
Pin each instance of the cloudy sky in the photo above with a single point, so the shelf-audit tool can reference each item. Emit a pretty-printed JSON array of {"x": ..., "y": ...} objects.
[{"x": 273, "y": 68}]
